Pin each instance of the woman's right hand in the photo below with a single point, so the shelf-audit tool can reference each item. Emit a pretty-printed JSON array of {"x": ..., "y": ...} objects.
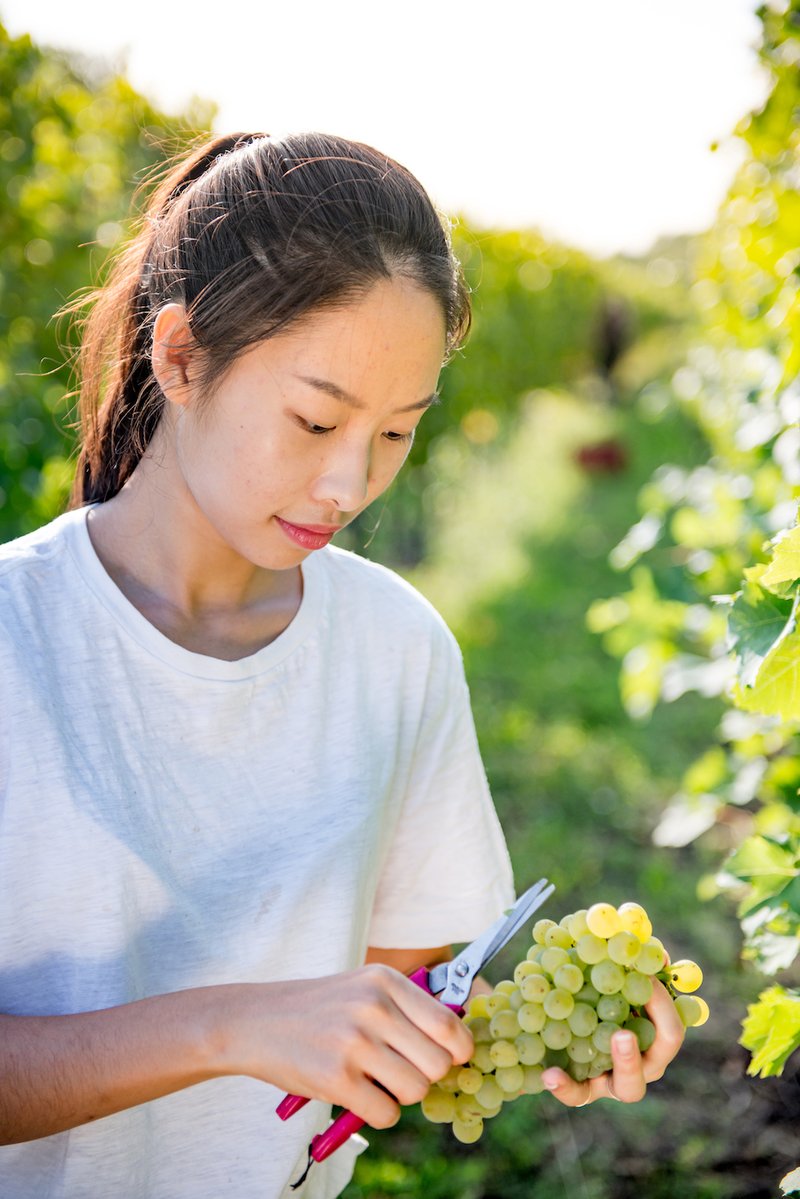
[{"x": 343, "y": 1038}]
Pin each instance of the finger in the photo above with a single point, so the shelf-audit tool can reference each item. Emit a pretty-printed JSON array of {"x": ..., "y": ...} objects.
[
  {"x": 427, "y": 1057},
  {"x": 371, "y": 1104},
  {"x": 396, "y": 1074},
  {"x": 432, "y": 1018},
  {"x": 571, "y": 1093},
  {"x": 669, "y": 1032},
  {"x": 628, "y": 1080}
]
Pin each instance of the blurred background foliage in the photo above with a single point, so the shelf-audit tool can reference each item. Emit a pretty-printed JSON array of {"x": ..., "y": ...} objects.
[{"x": 588, "y": 389}]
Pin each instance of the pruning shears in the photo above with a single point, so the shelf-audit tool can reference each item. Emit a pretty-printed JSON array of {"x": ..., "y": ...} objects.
[{"x": 450, "y": 983}]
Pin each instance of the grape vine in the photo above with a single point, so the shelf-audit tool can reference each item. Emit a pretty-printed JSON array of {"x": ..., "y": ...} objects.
[{"x": 714, "y": 560}]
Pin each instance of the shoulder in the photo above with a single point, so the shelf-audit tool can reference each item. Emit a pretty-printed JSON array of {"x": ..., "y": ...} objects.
[
  {"x": 377, "y": 596},
  {"x": 35, "y": 549}
]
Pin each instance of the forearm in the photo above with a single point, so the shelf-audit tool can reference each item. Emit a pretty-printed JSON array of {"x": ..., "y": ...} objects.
[{"x": 57, "y": 1072}]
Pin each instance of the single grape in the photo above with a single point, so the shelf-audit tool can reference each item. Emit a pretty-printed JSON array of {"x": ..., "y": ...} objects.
[
  {"x": 689, "y": 1010},
  {"x": 477, "y": 1007},
  {"x": 644, "y": 1031},
  {"x": 439, "y": 1106},
  {"x": 576, "y": 924},
  {"x": 534, "y": 988},
  {"x": 558, "y": 1003},
  {"x": 554, "y": 957},
  {"x": 516, "y": 1000},
  {"x": 588, "y": 994},
  {"x": 557, "y": 1057},
  {"x": 468, "y": 1134},
  {"x": 468, "y": 1110},
  {"x": 578, "y": 1070},
  {"x": 482, "y": 1058},
  {"x": 637, "y": 988},
  {"x": 531, "y": 1017},
  {"x": 558, "y": 937},
  {"x": 496, "y": 1002},
  {"x": 634, "y": 919},
  {"x": 602, "y": 920},
  {"x": 704, "y": 1011},
  {"x": 523, "y": 969},
  {"x": 556, "y": 1034},
  {"x": 504, "y": 1053},
  {"x": 510, "y": 1078},
  {"x": 540, "y": 928},
  {"x": 582, "y": 1020},
  {"x": 652, "y": 957},
  {"x": 504, "y": 1026},
  {"x": 685, "y": 975},
  {"x": 490, "y": 1095},
  {"x": 569, "y": 978},
  {"x": 608, "y": 977},
  {"x": 613, "y": 1008},
  {"x": 470, "y": 1080},
  {"x": 535, "y": 952},
  {"x": 623, "y": 948},
  {"x": 592, "y": 949},
  {"x": 533, "y": 1084},
  {"x": 480, "y": 1028},
  {"x": 450, "y": 1080},
  {"x": 602, "y": 1035},
  {"x": 506, "y": 987},
  {"x": 530, "y": 1048},
  {"x": 601, "y": 1065},
  {"x": 582, "y": 1049}
]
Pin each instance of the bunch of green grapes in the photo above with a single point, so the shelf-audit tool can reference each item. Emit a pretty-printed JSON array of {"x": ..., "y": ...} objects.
[{"x": 582, "y": 980}]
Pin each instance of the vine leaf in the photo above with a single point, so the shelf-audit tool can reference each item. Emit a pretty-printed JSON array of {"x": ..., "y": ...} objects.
[
  {"x": 771, "y": 1030},
  {"x": 785, "y": 565},
  {"x": 757, "y": 624},
  {"x": 776, "y": 690}
]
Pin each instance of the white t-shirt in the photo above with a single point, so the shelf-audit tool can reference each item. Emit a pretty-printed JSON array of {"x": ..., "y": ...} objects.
[{"x": 171, "y": 820}]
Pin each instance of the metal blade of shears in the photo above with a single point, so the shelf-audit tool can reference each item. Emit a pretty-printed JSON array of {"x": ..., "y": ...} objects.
[{"x": 450, "y": 982}]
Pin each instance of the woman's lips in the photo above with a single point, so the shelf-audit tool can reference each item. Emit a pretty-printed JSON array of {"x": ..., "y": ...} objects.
[{"x": 310, "y": 537}]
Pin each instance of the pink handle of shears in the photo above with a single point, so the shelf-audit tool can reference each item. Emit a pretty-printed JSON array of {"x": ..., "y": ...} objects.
[{"x": 345, "y": 1124}]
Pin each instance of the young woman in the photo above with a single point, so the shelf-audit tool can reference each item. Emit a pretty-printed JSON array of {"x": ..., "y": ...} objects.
[{"x": 236, "y": 763}]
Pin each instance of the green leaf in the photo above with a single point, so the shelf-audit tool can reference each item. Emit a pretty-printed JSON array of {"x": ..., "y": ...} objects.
[
  {"x": 785, "y": 565},
  {"x": 759, "y": 857},
  {"x": 766, "y": 865},
  {"x": 771, "y": 1030},
  {"x": 776, "y": 691},
  {"x": 757, "y": 624}
]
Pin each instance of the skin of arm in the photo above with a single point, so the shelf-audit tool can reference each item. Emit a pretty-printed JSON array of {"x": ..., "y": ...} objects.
[{"x": 331, "y": 1038}]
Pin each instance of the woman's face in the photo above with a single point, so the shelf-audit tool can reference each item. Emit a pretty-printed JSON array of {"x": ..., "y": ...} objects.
[{"x": 310, "y": 426}]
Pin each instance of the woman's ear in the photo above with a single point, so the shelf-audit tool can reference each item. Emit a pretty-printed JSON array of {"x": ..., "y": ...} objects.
[{"x": 173, "y": 351}]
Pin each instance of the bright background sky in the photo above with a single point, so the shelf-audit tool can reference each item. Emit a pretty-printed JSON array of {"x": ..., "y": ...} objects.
[{"x": 589, "y": 120}]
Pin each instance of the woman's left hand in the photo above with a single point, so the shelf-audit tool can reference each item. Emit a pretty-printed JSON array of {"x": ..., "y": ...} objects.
[{"x": 632, "y": 1070}]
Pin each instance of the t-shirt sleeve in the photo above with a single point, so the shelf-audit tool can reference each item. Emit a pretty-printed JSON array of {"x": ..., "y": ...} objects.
[{"x": 447, "y": 874}]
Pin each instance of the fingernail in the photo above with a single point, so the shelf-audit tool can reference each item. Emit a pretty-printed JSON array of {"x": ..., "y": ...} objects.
[
  {"x": 625, "y": 1042},
  {"x": 551, "y": 1081}
]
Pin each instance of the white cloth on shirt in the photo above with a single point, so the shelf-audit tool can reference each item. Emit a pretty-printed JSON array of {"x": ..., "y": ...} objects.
[{"x": 171, "y": 820}]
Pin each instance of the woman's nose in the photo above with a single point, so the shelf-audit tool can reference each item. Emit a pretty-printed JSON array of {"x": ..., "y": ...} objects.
[{"x": 344, "y": 478}]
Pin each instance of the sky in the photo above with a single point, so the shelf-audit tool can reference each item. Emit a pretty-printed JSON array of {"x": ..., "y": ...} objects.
[{"x": 591, "y": 121}]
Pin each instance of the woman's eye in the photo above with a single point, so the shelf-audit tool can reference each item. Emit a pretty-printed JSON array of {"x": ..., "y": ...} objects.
[
  {"x": 317, "y": 430},
  {"x": 400, "y": 436}
]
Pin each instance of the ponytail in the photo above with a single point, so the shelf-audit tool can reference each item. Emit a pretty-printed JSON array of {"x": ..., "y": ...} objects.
[
  {"x": 120, "y": 400},
  {"x": 248, "y": 233}
]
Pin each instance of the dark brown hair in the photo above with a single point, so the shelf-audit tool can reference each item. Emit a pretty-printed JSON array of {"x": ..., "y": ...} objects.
[{"x": 249, "y": 233}]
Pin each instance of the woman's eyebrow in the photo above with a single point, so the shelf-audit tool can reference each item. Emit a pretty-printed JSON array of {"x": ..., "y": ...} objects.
[{"x": 338, "y": 393}]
